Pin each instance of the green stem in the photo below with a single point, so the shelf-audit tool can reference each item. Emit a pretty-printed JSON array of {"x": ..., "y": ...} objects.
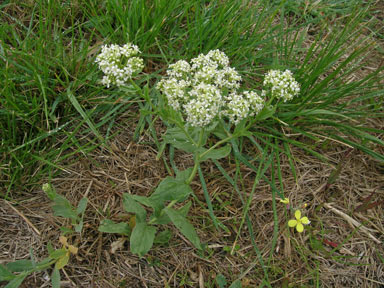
[{"x": 197, "y": 158}]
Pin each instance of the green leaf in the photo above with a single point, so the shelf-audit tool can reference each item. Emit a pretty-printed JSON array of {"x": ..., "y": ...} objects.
[
  {"x": 20, "y": 265},
  {"x": 50, "y": 191},
  {"x": 83, "y": 114},
  {"x": 184, "y": 226},
  {"x": 221, "y": 281},
  {"x": 61, "y": 262},
  {"x": 131, "y": 206},
  {"x": 55, "y": 278},
  {"x": 176, "y": 137},
  {"x": 63, "y": 208},
  {"x": 108, "y": 226},
  {"x": 164, "y": 219},
  {"x": 184, "y": 175},
  {"x": 57, "y": 254},
  {"x": 220, "y": 131},
  {"x": 82, "y": 206},
  {"x": 142, "y": 238},
  {"x": 16, "y": 282},
  {"x": 185, "y": 209},
  {"x": 217, "y": 153},
  {"x": 236, "y": 284},
  {"x": 66, "y": 230},
  {"x": 171, "y": 189},
  {"x": 266, "y": 113},
  {"x": 163, "y": 237},
  {"x": 5, "y": 274},
  {"x": 79, "y": 226},
  {"x": 147, "y": 201}
]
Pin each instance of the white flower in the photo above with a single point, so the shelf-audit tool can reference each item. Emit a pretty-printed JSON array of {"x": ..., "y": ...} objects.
[
  {"x": 207, "y": 89},
  {"x": 119, "y": 63},
  {"x": 281, "y": 85}
]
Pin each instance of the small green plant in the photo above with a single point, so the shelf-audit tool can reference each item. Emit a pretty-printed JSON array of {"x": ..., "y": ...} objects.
[
  {"x": 144, "y": 233},
  {"x": 15, "y": 272},
  {"x": 222, "y": 282},
  {"x": 63, "y": 208}
]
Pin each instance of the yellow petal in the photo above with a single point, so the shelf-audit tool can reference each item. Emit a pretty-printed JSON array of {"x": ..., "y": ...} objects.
[
  {"x": 305, "y": 220},
  {"x": 292, "y": 223},
  {"x": 285, "y": 201},
  {"x": 299, "y": 227},
  {"x": 298, "y": 214}
]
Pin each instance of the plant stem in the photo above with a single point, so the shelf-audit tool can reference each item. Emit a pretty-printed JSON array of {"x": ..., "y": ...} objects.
[{"x": 197, "y": 157}]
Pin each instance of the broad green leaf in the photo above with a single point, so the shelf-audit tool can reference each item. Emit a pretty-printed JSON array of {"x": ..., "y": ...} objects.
[
  {"x": 57, "y": 254},
  {"x": 163, "y": 237},
  {"x": 63, "y": 208},
  {"x": 16, "y": 282},
  {"x": 236, "y": 284},
  {"x": 5, "y": 274},
  {"x": 20, "y": 265},
  {"x": 184, "y": 226},
  {"x": 55, "y": 278},
  {"x": 184, "y": 175},
  {"x": 108, "y": 226},
  {"x": 62, "y": 261},
  {"x": 217, "y": 153},
  {"x": 171, "y": 189},
  {"x": 177, "y": 138},
  {"x": 82, "y": 206},
  {"x": 131, "y": 206},
  {"x": 221, "y": 281},
  {"x": 142, "y": 238}
]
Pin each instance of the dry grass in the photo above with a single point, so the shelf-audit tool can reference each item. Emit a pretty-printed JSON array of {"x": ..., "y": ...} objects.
[{"x": 131, "y": 168}]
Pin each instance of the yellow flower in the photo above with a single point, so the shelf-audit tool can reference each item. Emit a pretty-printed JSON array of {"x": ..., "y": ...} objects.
[
  {"x": 298, "y": 222},
  {"x": 285, "y": 201}
]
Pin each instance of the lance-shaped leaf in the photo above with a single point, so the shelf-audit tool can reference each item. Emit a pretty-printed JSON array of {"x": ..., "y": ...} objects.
[
  {"x": 184, "y": 226},
  {"x": 108, "y": 226}
]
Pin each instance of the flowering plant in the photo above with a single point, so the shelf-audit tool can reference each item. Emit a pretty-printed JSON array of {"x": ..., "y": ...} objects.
[
  {"x": 197, "y": 99},
  {"x": 119, "y": 63}
]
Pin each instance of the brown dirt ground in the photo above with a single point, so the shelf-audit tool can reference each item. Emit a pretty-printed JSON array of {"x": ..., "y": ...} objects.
[{"x": 132, "y": 168}]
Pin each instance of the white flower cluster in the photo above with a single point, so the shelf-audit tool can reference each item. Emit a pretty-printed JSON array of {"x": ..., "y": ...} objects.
[
  {"x": 281, "y": 85},
  {"x": 206, "y": 88},
  {"x": 119, "y": 63}
]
